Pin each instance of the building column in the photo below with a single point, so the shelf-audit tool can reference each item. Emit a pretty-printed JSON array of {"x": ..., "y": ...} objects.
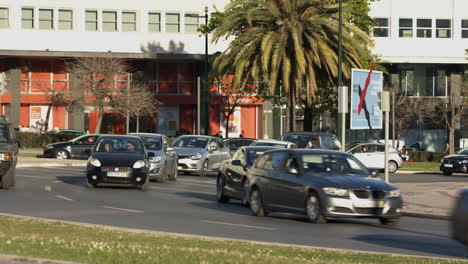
[{"x": 13, "y": 88}]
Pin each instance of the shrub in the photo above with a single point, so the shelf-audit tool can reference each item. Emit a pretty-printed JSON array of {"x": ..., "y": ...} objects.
[
  {"x": 425, "y": 156},
  {"x": 37, "y": 140}
]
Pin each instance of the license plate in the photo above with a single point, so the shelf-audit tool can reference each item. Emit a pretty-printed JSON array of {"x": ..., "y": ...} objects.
[
  {"x": 448, "y": 165},
  {"x": 370, "y": 204},
  {"x": 117, "y": 174}
]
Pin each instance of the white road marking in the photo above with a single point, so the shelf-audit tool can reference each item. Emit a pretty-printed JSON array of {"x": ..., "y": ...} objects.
[
  {"x": 123, "y": 209},
  {"x": 37, "y": 177},
  {"x": 57, "y": 181},
  {"x": 206, "y": 182},
  {"x": 181, "y": 190},
  {"x": 48, "y": 188},
  {"x": 64, "y": 198},
  {"x": 231, "y": 224}
]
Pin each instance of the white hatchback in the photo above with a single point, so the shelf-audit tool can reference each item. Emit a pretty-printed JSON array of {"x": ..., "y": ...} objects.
[
  {"x": 372, "y": 155},
  {"x": 273, "y": 143}
]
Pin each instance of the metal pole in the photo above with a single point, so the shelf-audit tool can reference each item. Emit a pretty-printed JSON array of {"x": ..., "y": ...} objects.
[
  {"x": 207, "y": 89},
  {"x": 198, "y": 106},
  {"x": 393, "y": 120},
  {"x": 340, "y": 71},
  {"x": 387, "y": 117}
]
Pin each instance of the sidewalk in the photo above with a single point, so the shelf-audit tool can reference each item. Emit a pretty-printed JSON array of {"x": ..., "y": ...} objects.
[{"x": 25, "y": 162}]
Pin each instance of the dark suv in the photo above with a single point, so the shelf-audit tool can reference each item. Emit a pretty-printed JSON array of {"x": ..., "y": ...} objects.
[
  {"x": 312, "y": 140},
  {"x": 8, "y": 154}
]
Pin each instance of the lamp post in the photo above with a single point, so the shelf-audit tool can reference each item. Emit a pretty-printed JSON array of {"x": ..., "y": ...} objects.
[
  {"x": 207, "y": 88},
  {"x": 340, "y": 76}
]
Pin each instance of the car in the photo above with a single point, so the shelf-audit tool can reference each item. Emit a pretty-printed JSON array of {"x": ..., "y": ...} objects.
[
  {"x": 119, "y": 160},
  {"x": 70, "y": 132},
  {"x": 372, "y": 155},
  {"x": 313, "y": 140},
  {"x": 163, "y": 165},
  {"x": 232, "y": 180},
  {"x": 8, "y": 154},
  {"x": 235, "y": 143},
  {"x": 457, "y": 162},
  {"x": 459, "y": 217},
  {"x": 79, "y": 147},
  {"x": 320, "y": 184},
  {"x": 273, "y": 143},
  {"x": 201, "y": 155}
]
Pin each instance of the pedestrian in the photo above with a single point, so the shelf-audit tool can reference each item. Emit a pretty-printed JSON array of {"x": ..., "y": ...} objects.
[
  {"x": 404, "y": 153},
  {"x": 219, "y": 134}
]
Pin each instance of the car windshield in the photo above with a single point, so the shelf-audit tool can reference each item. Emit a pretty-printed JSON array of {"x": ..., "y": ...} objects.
[
  {"x": 301, "y": 141},
  {"x": 152, "y": 143},
  {"x": 119, "y": 145},
  {"x": 4, "y": 133},
  {"x": 350, "y": 146},
  {"x": 463, "y": 151},
  {"x": 190, "y": 142},
  {"x": 253, "y": 154},
  {"x": 269, "y": 144},
  {"x": 333, "y": 164}
]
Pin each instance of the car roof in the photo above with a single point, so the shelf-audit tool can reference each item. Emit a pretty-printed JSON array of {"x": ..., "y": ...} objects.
[
  {"x": 311, "y": 151},
  {"x": 308, "y": 133},
  {"x": 118, "y": 136},
  {"x": 145, "y": 135},
  {"x": 259, "y": 147},
  {"x": 274, "y": 141},
  {"x": 240, "y": 138},
  {"x": 203, "y": 136}
]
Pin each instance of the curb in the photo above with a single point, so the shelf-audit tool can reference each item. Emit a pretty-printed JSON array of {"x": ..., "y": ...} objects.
[
  {"x": 427, "y": 216},
  {"x": 51, "y": 164},
  {"x": 417, "y": 172}
]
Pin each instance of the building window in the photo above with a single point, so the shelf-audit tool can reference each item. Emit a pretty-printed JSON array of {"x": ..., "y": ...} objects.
[
  {"x": 65, "y": 20},
  {"x": 91, "y": 18},
  {"x": 464, "y": 25},
  {"x": 191, "y": 23},
  {"x": 423, "y": 80},
  {"x": 424, "y": 28},
  {"x": 109, "y": 21},
  {"x": 172, "y": 23},
  {"x": 381, "y": 27},
  {"x": 154, "y": 22},
  {"x": 46, "y": 19},
  {"x": 128, "y": 21},
  {"x": 4, "y": 21},
  {"x": 443, "y": 28},
  {"x": 406, "y": 28},
  {"x": 27, "y": 18}
]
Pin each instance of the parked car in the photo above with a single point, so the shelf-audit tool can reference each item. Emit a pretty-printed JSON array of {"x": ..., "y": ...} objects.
[
  {"x": 235, "y": 143},
  {"x": 163, "y": 165},
  {"x": 232, "y": 180},
  {"x": 312, "y": 140},
  {"x": 8, "y": 154},
  {"x": 320, "y": 184},
  {"x": 79, "y": 147},
  {"x": 459, "y": 217},
  {"x": 119, "y": 160},
  {"x": 273, "y": 143},
  {"x": 70, "y": 132},
  {"x": 200, "y": 154},
  {"x": 457, "y": 162},
  {"x": 372, "y": 155}
]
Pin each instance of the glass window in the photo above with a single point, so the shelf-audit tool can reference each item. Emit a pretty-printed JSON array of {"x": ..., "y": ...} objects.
[
  {"x": 27, "y": 18},
  {"x": 154, "y": 22},
  {"x": 406, "y": 28},
  {"x": 4, "y": 133},
  {"x": 191, "y": 23},
  {"x": 261, "y": 161},
  {"x": 109, "y": 21},
  {"x": 172, "y": 23},
  {"x": 464, "y": 26},
  {"x": 46, "y": 19},
  {"x": 4, "y": 18},
  {"x": 91, "y": 18},
  {"x": 65, "y": 20},
  {"x": 333, "y": 164},
  {"x": 253, "y": 154},
  {"x": 128, "y": 21},
  {"x": 443, "y": 28},
  {"x": 424, "y": 28},
  {"x": 190, "y": 142},
  {"x": 152, "y": 143},
  {"x": 120, "y": 145},
  {"x": 423, "y": 80},
  {"x": 279, "y": 160},
  {"x": 381, "y": 27},
  {"x": 220, "y": 143}
]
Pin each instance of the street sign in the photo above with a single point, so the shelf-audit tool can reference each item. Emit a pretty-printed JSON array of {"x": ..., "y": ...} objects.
[{"x": 365, "y": 102}]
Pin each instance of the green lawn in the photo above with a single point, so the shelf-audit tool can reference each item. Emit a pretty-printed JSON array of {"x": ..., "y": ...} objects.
[
  {"x": 29, "y": 155},
  {"x": 32, "y": 238},
  {"x": 420, "y": 166}
]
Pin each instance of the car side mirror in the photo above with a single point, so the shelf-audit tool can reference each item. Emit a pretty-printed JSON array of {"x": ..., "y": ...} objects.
[
  {"x": 293, "y": 171},
  {"x": 236, "y": 163},
  {"x": 374, "y": 173}
]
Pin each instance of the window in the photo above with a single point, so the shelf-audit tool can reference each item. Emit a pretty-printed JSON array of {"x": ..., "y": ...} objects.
[
  {"x": 191, "y": 23},
  {"x": 464, "y": 25},
  {"x": 443, "y": 28},
  {"x": 65, "y": 20},
  {"x": 279, "y": 160},
  {"x": 109, "y": 21},
  {"x": 381, "y": 27},
  {"x": 91, "y": 18},
  {"x": 46, "y": 19},
  {"x": 172, "y": 23},
  {"x": 27, "y": 18},
  {"x": 128, "y": 21},
  {"x": 154, "y": 22},
  {"x": 424, "y": 28},
  {"x": 406, "y": 28},
  {"x": 423, "y": 80},
  {"x": 4, "y": 21}
]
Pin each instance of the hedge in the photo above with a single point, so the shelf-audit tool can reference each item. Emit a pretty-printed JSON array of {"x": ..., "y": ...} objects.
[
  {"x": 37, "y": 140},
  {"x": 424, "y": 156}
]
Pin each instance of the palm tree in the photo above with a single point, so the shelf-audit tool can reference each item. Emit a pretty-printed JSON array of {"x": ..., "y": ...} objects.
[{"x": 287, "y": 44}]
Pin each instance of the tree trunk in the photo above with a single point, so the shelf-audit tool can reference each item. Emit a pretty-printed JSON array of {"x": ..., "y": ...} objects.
[
  {"x": 137, "y": 124},
  {"x": 292, "y": 110},
  {"x": 97, "y": 130},
  {"x": 451, "y": 139},
  {"x": 308, "y": 118},
  {"x": 46, "y": 124}
]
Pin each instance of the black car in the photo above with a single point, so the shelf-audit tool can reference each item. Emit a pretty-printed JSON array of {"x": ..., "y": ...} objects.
[
  {"x": 320, "y": 184},
  {"x": 8, "y": 154},
  {"x": 312, "y": 140},
  {"x": 459, "y": 217},
  {"x": 455, "y": 163},
  {"x": 232, "y": 180},
  {"x": 79, "y": 147},
  {"x": 234, "y": 143},
  {"x": 119, "y": 160}
]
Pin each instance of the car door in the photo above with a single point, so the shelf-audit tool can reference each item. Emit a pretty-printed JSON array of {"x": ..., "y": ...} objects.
[
  {"x": 377, "y": 156},
  {"x": 213, "y": 155},
  {"x": 291, "y": 186},
  {"x": 276, "y": 187},
  {"x": 235, "y": 173},
  {"x": 81, "y": 147},
  {"x": 363, "y": 155},
  {"x": 224, "y": 152}
]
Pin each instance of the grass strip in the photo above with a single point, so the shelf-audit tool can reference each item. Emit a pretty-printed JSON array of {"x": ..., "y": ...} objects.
[
  {"x": 61, "y": 241},
  {"x": 420, "y": 166}
]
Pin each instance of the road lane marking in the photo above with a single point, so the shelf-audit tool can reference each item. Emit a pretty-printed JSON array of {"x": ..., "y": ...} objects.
[
  {"x": 240, "y": 225},
  {"x": 123, "y": 209},
  {"x": 57, "y": 181},
  {"x": 206, "y": 182},
  {"x": 64, "y": 198},
  {"x": 181, "y": 190},
  {"x": 37, "y": 177}
]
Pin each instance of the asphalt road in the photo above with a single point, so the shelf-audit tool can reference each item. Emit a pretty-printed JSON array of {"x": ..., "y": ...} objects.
[
  {"x": 189, "y": 206},
  {"x": 424, "y": 177}
]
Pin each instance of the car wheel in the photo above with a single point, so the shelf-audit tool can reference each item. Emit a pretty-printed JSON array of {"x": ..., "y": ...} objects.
[
  {"x": 313, "y": 210},
  {"x": 256, "y": 203},
  {"x": 245, "y": 192},
  {"x": 163, "y": 174},
  {"x": 5, "y": 183},
  {"x": 204, "y": 169},
  {"x": 389, "y": 221},
  {"x": 447, "y": 173},
  {"x": 145, "y": 186},
  {"x": 62, "y": 154},
  {"x": 13, "y": 178},
  {"x": 220, "y": 190},
  {"x": 173, "y": 176},
  {"x": 392, "y": 166}
]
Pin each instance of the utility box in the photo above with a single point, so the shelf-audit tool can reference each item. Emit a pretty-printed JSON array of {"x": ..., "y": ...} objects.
[{"x": 385, "y": 101}]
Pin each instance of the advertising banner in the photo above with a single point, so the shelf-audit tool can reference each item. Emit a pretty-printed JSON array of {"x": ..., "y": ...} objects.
[
  {"x": 234, "y": 123},
  {"x": 38, "y": 116}
]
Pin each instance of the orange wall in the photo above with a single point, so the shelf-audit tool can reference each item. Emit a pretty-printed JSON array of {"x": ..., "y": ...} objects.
[
  {"x": 59, "y": 116},
  {"x": 24, "y": 115},
  {"x": 186, "y": 113},
  {"x": 214, "y": 119},
  {"x": 248, "y": 121}
]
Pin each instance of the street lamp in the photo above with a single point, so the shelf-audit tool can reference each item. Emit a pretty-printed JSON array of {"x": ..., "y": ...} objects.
[{"x": 340, "y": 76}]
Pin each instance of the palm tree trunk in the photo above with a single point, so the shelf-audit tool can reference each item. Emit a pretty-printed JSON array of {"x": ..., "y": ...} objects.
[{"x": 292, "y": 109}]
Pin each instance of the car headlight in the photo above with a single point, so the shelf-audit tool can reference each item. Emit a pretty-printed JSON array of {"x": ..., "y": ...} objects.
[
  {"x": 394, "y": 193},
  {"x": 441, "y": 160},
  {"x": 155, "y": 159},
  {"x": 5, "y": 156},
  {"x": 196, "y": 156},
  {"x": 336, "y": 191},
  {"x": 139, "y": 164},
  {"x": 463, "y": 161},
  {"x": 95, "y": 162}
]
